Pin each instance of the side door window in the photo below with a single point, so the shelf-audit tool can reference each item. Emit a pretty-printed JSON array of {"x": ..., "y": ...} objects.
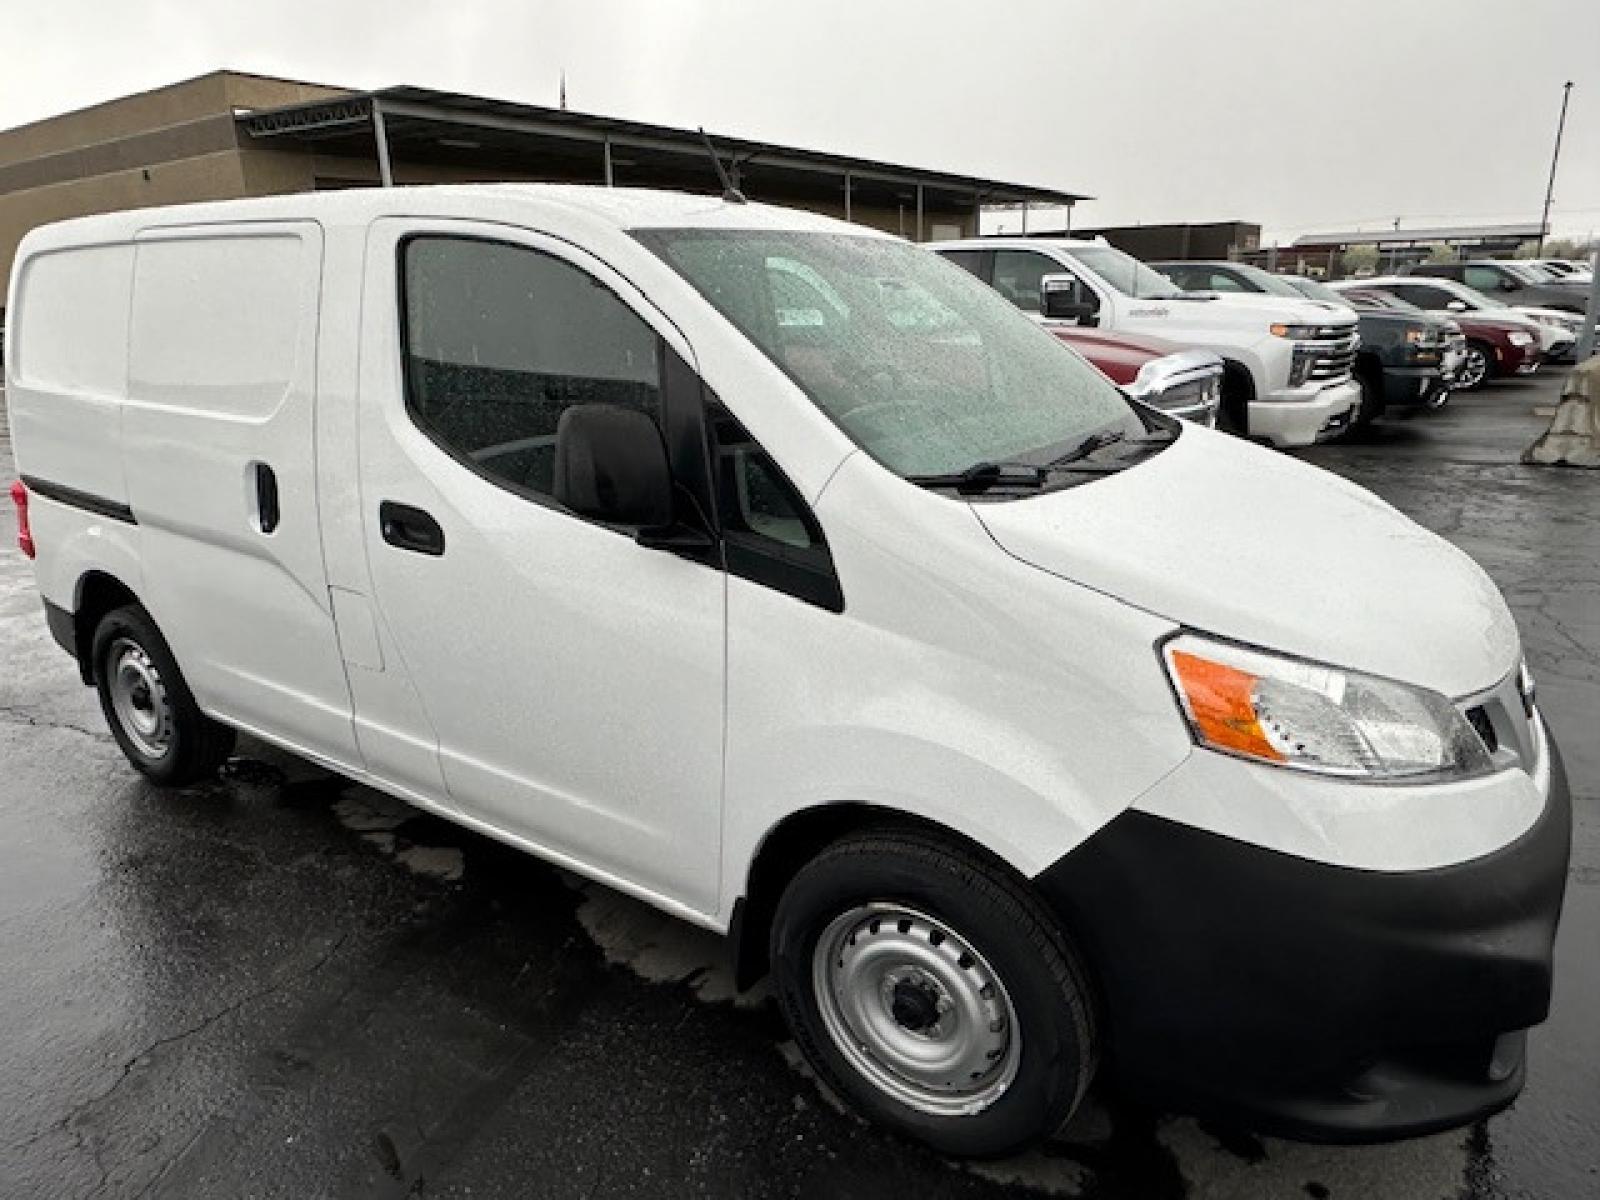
[
  {"x": 1222, "y": 281},
  {"x": 1017, "y": 274},
  {"x": 1488, "y": 280},
  {"x": 1188, "y": 278},
  {"x": 1430, "y": 298},
  {"x": 967, "y": 260},
  {"x": 500, "y": 339}
]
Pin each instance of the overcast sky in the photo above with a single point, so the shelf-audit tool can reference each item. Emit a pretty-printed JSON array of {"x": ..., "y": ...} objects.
[{"x": 1296, "y": 115}]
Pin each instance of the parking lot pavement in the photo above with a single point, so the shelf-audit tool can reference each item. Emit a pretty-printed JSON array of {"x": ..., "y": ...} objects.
[{"x": 284, "y": 985}]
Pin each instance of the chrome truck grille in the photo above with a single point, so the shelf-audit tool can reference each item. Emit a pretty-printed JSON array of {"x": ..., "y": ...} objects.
[{"x": 1328, "y": 356}]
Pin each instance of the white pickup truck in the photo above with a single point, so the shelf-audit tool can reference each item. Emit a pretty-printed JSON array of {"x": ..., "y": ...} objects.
[{"x": 1287, "y": 364}]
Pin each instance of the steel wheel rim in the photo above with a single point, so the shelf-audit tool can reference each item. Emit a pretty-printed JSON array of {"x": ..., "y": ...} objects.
[
  {"x": 918, "y": 1012},
  {"x": 139, "y": 698},
  {"x": 1474, "y": 369}
]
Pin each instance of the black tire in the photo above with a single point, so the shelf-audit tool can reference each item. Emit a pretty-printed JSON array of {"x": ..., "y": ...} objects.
[
  {"x": 1372, "y": 402},
  {"x": 1233, "y": 416},
  {"x": 1473, "y": 375},
  {"x": 185, "y": 746},
  {"x": 1437, "y": 399},
  {"x": 985, "y": 909}
]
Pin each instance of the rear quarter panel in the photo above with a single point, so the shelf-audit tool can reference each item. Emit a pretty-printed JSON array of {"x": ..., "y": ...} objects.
[{"x": 67, "y": 366}]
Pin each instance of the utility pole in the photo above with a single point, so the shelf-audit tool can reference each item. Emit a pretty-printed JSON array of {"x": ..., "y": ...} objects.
[{"x": 1555, "y": 157}]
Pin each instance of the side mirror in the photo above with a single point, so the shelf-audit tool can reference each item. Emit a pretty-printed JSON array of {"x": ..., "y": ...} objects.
[
  {"x": 1058, "y": 300},
  {"x": 611, "y": 466},
  {"x": 1508, "y": 285}
]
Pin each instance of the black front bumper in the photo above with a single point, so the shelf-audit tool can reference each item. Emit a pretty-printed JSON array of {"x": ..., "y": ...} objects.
[
  {"x": 1407, "y": 386},
  {"x": 1312, "y": 1001}
]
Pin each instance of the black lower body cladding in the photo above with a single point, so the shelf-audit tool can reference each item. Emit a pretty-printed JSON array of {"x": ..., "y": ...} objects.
[
  {"x": 1311, "y": 1001},
  {"x": 62, "y": 628},
  {"x": 1410, "y": 387}
]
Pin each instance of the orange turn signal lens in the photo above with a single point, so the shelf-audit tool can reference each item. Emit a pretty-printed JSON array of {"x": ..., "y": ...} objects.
[{"x": 1219, "y": 703}]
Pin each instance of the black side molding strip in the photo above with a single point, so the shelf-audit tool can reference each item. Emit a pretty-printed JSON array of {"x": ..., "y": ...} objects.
[{"x": 87, "y": 501}]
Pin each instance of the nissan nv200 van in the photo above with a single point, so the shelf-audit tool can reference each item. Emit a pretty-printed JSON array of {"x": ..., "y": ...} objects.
[{"x": 782, "y": 574}]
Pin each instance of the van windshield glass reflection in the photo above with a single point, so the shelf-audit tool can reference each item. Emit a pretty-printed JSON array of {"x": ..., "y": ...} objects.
[{"x": 924, "y": 367}]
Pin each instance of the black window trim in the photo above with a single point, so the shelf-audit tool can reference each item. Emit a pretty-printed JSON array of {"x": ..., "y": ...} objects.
[
  {"x": 686, "y": 404},
  {"x": 760, "y": 559}
]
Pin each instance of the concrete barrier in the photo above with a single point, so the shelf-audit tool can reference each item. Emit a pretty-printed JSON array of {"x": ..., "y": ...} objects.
[{"x": 1573, "y": 439}]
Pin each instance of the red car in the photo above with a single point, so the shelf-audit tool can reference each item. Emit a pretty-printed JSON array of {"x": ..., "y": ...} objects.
[
  {"x": 1499, "y": 342},
  {"x": 1182, "y": 383}
]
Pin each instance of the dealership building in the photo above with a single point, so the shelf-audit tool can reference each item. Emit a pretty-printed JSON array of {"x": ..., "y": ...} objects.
[{"x": 228, "y": 134}]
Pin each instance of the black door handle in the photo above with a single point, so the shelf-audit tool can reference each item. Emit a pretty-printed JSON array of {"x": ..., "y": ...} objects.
[
  {"x": 410, "y": 528},
  {"x": 266, "y": 498}
]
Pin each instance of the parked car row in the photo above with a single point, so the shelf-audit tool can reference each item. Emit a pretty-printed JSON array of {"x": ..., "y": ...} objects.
[
  {"x": 1400, "y": 360},
  {"x": 1287, "y": 362},
  {"x": 1563, "y": 268},
  {"x": 1293, "y": 360},
  {"x": 1513, "y": 283},
  {"x": 1501, "y": 342}
]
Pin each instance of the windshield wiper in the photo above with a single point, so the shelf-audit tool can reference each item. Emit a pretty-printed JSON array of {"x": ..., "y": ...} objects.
[
  {"x": 1096, "y": 442},
  {"x": 1090, "y": 444},
  {"x": 982, "y": 476}
]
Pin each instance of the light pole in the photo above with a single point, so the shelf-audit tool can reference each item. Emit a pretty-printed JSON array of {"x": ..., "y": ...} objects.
[{"x": 1555, "y": 157}]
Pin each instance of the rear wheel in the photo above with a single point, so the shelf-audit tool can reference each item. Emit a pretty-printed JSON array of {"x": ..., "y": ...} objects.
[
  {"x": 930, "y": 990},
  {"x": 149, "y": 707},
  {"x": 1437, "y": 399},
  {"x": 1478, "y": 367}
]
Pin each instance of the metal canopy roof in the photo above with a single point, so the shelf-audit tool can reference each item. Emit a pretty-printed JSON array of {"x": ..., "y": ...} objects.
[
  {"x": 450, "y": 127},
  {"x": 1406, "y": 237}
]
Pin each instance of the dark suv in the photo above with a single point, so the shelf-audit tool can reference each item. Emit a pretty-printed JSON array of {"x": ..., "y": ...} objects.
[
  {"x": 1511, "y": 283},
  {"x": 1398, "y": 362}
]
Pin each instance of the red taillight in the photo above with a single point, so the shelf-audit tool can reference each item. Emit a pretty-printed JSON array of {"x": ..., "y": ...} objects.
[{"x": 19, "y": 497}]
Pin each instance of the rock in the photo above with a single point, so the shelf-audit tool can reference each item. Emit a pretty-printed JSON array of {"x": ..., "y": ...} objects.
[{"x": 1573, "y": 439}]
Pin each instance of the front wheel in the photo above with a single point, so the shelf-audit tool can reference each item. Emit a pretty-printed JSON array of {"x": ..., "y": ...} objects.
[
  {"x": 148, "y": 705},
  {"x": 930, "y": 990},
  {"x": 1372, "y": 401}
]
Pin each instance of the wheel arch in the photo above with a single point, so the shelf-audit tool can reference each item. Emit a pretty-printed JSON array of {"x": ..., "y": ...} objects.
[
  {"x": 1238, "y": 390},
  {"x": 97, "y": 593},
  {"x": 795, "y": 841}
]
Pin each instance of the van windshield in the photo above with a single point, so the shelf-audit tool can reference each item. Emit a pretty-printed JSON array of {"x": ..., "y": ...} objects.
[{"x": 925, "y": 368}]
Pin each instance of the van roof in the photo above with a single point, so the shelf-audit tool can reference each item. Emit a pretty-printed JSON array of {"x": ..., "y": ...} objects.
[{"x": 623, "y": 208}]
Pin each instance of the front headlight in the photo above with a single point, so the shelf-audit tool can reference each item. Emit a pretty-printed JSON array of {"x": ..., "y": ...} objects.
[
  {"x": 1293, "y": 331},
  {"x": 1518, "y": 338},
  {"x": 1320, "y": 719}
]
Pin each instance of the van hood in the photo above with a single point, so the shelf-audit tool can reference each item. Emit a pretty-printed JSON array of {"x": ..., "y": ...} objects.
[{"x": 1231, "y": 539}]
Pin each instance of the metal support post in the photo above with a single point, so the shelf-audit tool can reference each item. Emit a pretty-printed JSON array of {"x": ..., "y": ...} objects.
[
  {"x": 380, "y": 133},
  {"x": 1586, "y": 340}
]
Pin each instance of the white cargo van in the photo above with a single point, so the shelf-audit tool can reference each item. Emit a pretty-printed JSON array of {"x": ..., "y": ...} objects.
[
  {"x": 1288, "y": 362},
  {"x": 780, "y": 573}
]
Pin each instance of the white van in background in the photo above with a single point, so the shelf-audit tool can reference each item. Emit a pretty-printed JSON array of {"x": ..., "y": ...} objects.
[
  {"x": 1288, "y": 362},
  {"x": 779, "y": 573}
]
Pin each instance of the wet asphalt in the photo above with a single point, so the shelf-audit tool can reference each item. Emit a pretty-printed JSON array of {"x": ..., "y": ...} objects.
[{"x": 285, "y": 985}]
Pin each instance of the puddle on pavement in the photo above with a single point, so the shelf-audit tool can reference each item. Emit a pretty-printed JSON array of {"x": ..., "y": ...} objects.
[{"x": 1104, "y": 1153}]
